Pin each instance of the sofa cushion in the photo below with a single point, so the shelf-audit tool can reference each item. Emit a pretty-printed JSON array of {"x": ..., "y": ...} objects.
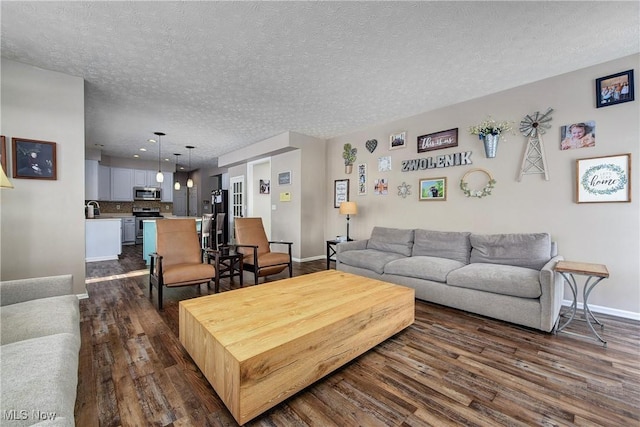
[
  {"x": 529, "y": 250},
  {"x": 40, "y": 374},
  {"x": 39, "y": 317},
  {"x": 442, "y": 244},
  {"x": 423, "y": 267},
  {"x": 391, "y": 240},
  {"x": 499, "y": 279},
  {"x": 370, "y": 259}
]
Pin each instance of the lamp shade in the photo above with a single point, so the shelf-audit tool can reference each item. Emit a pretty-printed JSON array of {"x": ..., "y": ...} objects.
[
  {"x": 4, "y": 181},
  {"x": 348, "y": 208}
]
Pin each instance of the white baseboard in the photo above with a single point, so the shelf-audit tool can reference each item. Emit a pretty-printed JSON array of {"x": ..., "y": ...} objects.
[
  {"x": 313, "y": 258},
  {"x": 83, "y": 296},
  {"x": 606, "y": 310}
]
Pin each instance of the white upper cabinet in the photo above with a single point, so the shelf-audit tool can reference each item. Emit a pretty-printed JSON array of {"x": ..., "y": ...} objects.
[
  {"x": 104, "y": 182},
  {"x": 121, "y": 185},
  {"x": 91, "y": 180}
]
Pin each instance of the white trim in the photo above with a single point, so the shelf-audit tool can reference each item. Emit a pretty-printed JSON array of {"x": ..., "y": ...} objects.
[
  {"x": 83, "y": 296},
  {"x": 101, "y": 258},
  {"x": 312, "y": 258},
  {"x": 606, "y": 310}
]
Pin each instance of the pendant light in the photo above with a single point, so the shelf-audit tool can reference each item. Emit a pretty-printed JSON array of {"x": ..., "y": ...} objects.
[
  {"x": 190, "y": 181},
  {"x": 176, "y": 185},
  {"x": 159, "y": 175}
]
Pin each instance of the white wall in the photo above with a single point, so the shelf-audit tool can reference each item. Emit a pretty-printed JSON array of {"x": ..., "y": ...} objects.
[
  {"x": 42, "y": 222},
  {"x": 606, "y": 233}
]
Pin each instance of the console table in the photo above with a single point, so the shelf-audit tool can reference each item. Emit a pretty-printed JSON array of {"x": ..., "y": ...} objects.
[{"x": 595, "y": 273}]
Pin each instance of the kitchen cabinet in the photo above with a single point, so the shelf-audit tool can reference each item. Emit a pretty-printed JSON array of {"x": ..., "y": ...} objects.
[
  {"x": 167, "y": 187},
  {"x": 103, "y": 239},
  {"x": 145, "y": 178},
  {"x": 104, "y": 182},
  {"x": 128, "y": 231},
  {"x": 91, "y": 180},
  {"x": 121, "y": 185}
]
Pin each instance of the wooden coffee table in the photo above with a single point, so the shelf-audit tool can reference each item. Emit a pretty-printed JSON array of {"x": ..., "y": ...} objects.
[{"x": 258, "y": 346}]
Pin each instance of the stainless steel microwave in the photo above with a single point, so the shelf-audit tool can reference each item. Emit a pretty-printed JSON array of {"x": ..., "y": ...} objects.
[{"x": 146, "y": 193}]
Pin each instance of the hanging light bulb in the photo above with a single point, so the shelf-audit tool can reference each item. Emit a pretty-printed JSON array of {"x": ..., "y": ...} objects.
[
  {"x": 176, "y": 185},
  {"x": 159, "y": 175},
  {"x": 190, "y": 181}
]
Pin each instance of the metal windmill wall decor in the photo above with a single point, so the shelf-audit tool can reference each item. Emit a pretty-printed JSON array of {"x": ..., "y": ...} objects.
[{"x": 534, "y": 126}]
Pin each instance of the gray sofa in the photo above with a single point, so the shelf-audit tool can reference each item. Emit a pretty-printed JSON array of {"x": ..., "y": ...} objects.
[
  {"x": 40, "y": 344},
  {"x": 504, "y": 276}
]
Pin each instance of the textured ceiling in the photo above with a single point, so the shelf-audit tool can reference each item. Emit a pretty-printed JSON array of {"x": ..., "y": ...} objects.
[{"x": 224, "y": 75}]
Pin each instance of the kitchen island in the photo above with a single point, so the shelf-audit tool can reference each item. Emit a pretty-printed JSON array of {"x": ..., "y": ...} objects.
[
  {"x": 103, "y": 239},
  {"x": 149, "y": 233}
]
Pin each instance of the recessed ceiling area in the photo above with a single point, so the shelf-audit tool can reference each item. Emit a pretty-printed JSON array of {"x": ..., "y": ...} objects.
[{"x": 223, "y": 75}]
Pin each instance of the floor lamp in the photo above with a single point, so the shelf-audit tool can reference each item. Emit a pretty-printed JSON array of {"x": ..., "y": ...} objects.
[{"x": 348, "y": 208}]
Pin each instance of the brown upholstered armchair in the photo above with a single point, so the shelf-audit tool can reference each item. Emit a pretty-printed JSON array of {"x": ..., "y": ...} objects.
[
  {"x": 251, "y": 241},
  {"x": 178, "y": 257}
]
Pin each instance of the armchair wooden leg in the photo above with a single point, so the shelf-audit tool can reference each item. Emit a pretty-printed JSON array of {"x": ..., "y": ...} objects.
[
  {"x": 159, "y": 296},
  {"x": 290, "y": 269},
  {"x": 255, "y": 276}
]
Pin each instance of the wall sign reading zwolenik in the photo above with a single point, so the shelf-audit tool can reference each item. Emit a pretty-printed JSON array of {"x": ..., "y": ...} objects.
[
  {"x": 438, "y": 140},
  {"x": 444, "y": 161}
]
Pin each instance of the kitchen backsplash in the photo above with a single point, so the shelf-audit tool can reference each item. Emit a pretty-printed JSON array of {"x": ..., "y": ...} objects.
[{"x": 127, "y": 207}]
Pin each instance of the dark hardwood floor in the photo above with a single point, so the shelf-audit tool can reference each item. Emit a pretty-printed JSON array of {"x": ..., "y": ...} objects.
[{"x": 448, "y": 368}]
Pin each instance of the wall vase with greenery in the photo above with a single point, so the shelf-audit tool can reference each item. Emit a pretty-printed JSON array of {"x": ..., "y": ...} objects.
[
  {"x": 490, "y": 145},
  {"x": 349, "y": 156},
  {"x": 489, "y": 132}
]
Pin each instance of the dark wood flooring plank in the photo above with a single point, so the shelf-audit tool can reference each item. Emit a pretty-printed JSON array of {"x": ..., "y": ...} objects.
[{"x": 448, "y": 368}]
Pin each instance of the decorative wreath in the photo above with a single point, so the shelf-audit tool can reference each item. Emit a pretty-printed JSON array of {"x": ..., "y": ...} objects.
[{"x": 486, "y": 190}]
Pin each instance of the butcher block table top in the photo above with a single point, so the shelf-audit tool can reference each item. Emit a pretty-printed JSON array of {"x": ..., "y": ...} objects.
[{"x": 258, "y": 346}]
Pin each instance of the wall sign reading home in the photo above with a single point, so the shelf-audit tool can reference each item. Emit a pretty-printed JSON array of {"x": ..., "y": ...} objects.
[
  {"x": 603, "y": 179},
  {"x": 444, "y": 161},
  {"x": 438, "y": 140}
]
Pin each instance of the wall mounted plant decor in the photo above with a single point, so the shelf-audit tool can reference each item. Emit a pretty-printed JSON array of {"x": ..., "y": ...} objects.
[
  {"x": 489, "y": 132},
  {"x": 485, "y": 191},
  {"x": 349, "y": 156}
]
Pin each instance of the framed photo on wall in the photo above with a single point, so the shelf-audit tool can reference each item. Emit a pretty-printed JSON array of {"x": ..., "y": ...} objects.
[
  {"x": 340, "y": 192},
  {"x": 614, "y": 89},
  {"x": 433, "y": 189},
  {"x": 362, "y": 179},
  {"x": 265, "y": 186},
  {"x": 603, "y": 179},
  {"x": 397, "y": 140},
  {"x": 33, "y": 159},
  {"x": 284, "y": 178},
  {"x": 3, "y": 154}
]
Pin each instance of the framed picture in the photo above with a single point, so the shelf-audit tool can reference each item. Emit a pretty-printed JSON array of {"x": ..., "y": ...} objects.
[
  {"x": 578, "y": 135},
  {"x": 33, "y": 159},
  {"x": 397, "y": 140},
  {"x": 614, "y": 89},
  {"x": 362, "y": 179},
  {"x": 381, "y": 187},
  {"x": 265, "y": 186},
  {"x": 603, "y": 179},
  {"x": 284, "y": 178},
  {"x": 384, "y": 164},
  {"x": 3, "y": 154},
  {"x": 438, "y": 140},
  {"x": 340, "y": 192},
  {"x": 433, "y": 189}
]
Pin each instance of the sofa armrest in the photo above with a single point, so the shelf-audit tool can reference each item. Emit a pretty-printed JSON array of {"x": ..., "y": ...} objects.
[
  {"x": 552, "y": 287},
  {"x": 15, "y": 291},
  {"x": 352, "y": 245}
]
